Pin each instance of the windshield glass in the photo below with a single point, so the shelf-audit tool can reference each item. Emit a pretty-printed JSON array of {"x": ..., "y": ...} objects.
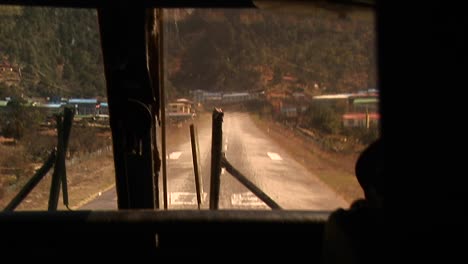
[
  {"x": 50, "y": 58},
  {"x": 298, "y": 92},
  {"x": 299, "y": 97}
]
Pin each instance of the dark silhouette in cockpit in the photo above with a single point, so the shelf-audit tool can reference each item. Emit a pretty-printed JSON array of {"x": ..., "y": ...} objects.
[{"x": 355, "y": 235}]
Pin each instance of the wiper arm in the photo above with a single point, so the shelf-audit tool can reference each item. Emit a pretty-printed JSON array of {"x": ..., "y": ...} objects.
[
  {"x": 32, "y": 182},
  {"x": 57, "y": 158},
  {"x": 60, "y": 173},
  {"x": 218, "y": 161}
]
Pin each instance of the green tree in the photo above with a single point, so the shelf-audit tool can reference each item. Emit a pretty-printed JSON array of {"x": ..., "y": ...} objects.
[
  {"x": 20, "y": 119},
  {"x": 41, "y": 40},
  {"x": 324, "y": 118}
]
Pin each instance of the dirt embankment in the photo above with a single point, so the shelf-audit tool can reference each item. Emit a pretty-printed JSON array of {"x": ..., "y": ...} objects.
[
  {"x": 89, "y": 165},
  {"x": 85, "y": 178}
]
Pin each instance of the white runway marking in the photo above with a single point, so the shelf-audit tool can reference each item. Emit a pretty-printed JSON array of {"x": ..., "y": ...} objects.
[
  {"x": 274, "y": 156},
  {"x": 185, "y": 198},
  {"x": 246, "y": 199},
  {"x": 175, "y": 155}
]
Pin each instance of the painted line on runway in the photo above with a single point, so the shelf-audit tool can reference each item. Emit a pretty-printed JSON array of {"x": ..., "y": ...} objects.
[
  {"x": 185, "y": 198},
  {"x": 91, "y": 197},
  {"x": 175, "y": 155},
  {"x": 274, "y": 156},
  {"x": 246, "y": 199}
]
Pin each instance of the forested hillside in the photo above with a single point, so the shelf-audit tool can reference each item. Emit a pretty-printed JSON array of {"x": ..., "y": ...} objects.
[
  {"x": 56, "y": 50},
  {"x": 238, "y": 49}
]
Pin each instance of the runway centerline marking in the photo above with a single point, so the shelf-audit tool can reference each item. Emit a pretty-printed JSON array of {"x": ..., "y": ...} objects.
[
  {"x": 175, "y": 155},
  {"x": 246, "y": 199},
  {"x": 274, "y": 156},
  {"x": 185, "y": 198}
]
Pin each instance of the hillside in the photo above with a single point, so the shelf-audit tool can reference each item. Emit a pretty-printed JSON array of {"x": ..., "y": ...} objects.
[
  {"x": 57, "y": 51},
  {"x": 241, "y": 49}
]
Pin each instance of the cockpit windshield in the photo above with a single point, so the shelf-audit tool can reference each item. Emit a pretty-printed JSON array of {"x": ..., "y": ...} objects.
[{"x": 298, "y": 93}]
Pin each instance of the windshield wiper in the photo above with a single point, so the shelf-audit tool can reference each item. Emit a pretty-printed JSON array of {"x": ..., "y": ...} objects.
[{"x": 56, "y": 158}]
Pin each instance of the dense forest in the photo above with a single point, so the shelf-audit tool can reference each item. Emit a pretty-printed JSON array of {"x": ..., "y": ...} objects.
[
  {"x": 323, "y": 52},
  {"x": 57, "y": 51}
]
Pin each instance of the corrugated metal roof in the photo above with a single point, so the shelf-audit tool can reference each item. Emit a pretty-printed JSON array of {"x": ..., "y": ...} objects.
[
  {"x": 366, "y": 100},
  {"x": 235, "y": 94},
  {"x": 183, "y": 100},
  {"x": 332, "y": 96},
  {"x": 82, "y": 101},
  {"x": 360, "y": 116},
  {"x": 51, "y": 105}
]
